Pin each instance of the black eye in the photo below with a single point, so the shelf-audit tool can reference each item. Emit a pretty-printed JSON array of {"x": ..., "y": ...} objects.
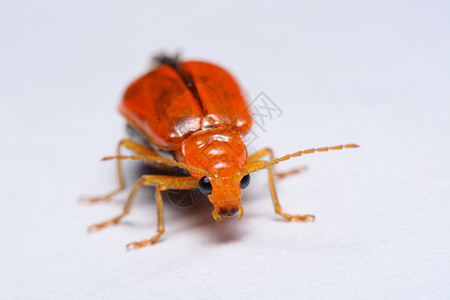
[
  {"x": 205, "y": 186},
  {"x": 245, "y": 181}
]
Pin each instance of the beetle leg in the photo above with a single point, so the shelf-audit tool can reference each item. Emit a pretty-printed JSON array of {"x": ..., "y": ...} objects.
[
  {"x": 162, "y": 183},
  {"x": 136, "y": 148},
  {"x": 268, "y": 152},
  {"x": 260, "y": 154},
  {"x": 172, "y": 182},
  {"x": 277, "y": 205}
]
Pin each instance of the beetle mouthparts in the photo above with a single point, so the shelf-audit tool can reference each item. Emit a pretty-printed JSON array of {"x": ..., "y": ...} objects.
[{"x": 228, "y": 212}]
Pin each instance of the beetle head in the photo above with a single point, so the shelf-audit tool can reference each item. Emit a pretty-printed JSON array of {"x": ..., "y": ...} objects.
[
  {"x": 225, "y": 192},
  {"x": 223, "y": 155}
]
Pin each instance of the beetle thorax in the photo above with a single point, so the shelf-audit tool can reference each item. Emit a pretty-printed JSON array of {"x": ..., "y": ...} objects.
[{"x": 219, "y": 151}]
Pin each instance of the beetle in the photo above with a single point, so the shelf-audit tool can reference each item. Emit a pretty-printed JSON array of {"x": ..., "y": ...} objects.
[{"x": 193, "y": 115}]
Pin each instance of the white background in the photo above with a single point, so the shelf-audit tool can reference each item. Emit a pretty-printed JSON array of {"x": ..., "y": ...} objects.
[{"x": 372, "y": 72}]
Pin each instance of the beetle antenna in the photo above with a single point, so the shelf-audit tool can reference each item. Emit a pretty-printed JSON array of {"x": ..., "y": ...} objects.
[
  {"x": 169, "y": 162},
  {"x": 258, "y": 165}
]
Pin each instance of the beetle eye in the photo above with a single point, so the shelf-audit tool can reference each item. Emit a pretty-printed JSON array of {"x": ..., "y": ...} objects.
[
  {"x": 204, "y": 185},
  {"x": 245, "y": 181}
]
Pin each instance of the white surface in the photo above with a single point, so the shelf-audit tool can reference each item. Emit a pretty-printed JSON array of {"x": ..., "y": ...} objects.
[{"x": 372, "y": 72}]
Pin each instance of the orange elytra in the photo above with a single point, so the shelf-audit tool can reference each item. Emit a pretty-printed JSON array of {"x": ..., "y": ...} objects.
[{"x": 193, "y": 115}]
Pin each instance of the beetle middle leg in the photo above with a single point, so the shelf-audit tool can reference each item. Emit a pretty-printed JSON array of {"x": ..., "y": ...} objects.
[
  {"x": 136, "y": 148},
  {"x": 276, "y": 203},
  {"x": 268, "y": 152},
  {"x": 162, "y": 182}
]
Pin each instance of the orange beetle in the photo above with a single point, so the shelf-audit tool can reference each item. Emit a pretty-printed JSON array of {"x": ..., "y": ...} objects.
[{"x": 193, "y": 115}]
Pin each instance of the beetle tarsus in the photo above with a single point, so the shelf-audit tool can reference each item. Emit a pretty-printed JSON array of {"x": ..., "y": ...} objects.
[
  {"x": 98, "y": 199},
  {"x": 100, "y": 226},
  {"x": 138, "y": 245},
  {"x": 298, "y": 218},
  {"x": 96, "y": 227}
]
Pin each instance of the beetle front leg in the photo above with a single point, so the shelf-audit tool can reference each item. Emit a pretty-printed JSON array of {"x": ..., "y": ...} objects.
[
  {"x": 277, "y": 206},
  {"x": 276, "y": 203},
  {"x": 160, "y": 227},
  {"x": 172, "y": 182},
  {"x": 161, "y": 182},
  {"x": 268, "y": 152}
]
